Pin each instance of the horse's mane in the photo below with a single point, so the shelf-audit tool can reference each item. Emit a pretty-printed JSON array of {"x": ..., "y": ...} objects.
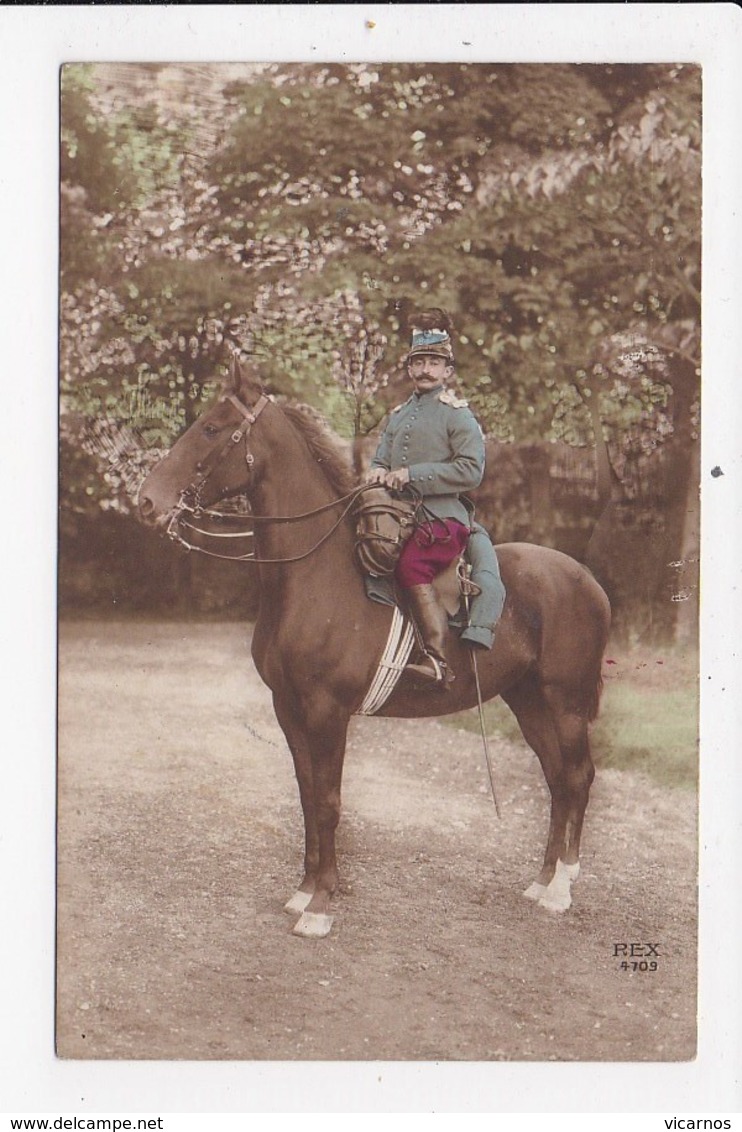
[{"x": 323, "y": 444}]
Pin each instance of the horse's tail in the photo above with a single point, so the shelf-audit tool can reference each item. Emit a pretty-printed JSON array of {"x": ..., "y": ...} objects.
[
  {"x": 605, "y": 616},
  {"x": 597, "y": 691},
  {"x": 594, "y": 704}
]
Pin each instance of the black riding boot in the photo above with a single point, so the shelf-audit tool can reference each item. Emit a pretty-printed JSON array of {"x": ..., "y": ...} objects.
[{"x": 432, "y": 621}]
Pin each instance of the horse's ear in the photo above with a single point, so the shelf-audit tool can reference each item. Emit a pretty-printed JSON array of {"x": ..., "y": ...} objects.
[
  {"x": 243, "y": 378},
  {"x": 235, "y": 374}
]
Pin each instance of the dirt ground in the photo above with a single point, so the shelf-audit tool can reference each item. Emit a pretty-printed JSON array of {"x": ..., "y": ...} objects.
[{"x": 180, "y": 839}]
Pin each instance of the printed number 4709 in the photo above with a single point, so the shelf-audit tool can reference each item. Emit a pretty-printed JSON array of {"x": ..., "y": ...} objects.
[{"x": 637, "y": 956}]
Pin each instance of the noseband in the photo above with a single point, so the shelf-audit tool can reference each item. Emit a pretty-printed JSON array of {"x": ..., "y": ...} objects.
[{"x": 189, "y": 501}]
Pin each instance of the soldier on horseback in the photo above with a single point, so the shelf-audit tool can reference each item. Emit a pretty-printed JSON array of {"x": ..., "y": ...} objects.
[{"x": 433, "y": 446}]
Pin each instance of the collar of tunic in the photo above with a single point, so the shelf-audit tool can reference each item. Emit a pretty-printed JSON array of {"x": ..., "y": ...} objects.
[{"x": 432, "y": 393}]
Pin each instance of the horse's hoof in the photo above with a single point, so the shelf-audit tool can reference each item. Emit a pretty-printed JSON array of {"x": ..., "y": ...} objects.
[
  {"x": 535, "y": 891},
  {"x": 313, "y": 925},
  {"x": 555, "y": 901},
  {"x": 557, "y": 896},
  {"x": 298, "y": 902}
]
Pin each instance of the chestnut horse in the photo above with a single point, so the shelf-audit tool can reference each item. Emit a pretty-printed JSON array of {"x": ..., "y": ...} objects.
[{"x": 318, "y": 638}]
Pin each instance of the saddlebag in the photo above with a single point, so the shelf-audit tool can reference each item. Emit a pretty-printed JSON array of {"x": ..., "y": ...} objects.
[{"x": 384, "y": 522}]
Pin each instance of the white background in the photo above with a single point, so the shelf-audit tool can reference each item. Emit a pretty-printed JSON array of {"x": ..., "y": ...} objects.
[{"x": 34, "y": 42}]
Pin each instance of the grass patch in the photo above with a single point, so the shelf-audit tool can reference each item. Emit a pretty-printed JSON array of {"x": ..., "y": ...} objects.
[
  {"x": 655, "y": 732},
  {"x": 648, "y": 719}
]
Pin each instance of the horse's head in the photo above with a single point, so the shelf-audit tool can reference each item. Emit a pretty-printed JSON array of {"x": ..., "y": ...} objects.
[{"x": 212, "y": 460}]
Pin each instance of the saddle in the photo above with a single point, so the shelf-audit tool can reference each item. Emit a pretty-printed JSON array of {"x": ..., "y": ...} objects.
[
  {"x": 453, "y": 584},
  {"x": 384, "y": 523}
]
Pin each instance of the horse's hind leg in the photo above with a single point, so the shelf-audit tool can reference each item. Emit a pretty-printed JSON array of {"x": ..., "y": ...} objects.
[
  {"x": 559, "y": 738},
  {"x": 530, "y": 708},
  {"x": 571, "y": 719}
]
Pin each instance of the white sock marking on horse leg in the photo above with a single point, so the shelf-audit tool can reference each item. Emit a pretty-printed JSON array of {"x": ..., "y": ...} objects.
[
  {"x": 558, "y": 894},
  {"x": 535, "y": 891},
  {"x": 313, "y": 925},
  {"x": 297, "y": 903}
]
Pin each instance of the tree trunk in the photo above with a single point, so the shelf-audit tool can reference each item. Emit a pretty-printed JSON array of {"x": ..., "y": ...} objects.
[
  {"x": 677, "y": 592},
  {"x": 537, "y": 462},
  {"x": 686, "y": 620}
]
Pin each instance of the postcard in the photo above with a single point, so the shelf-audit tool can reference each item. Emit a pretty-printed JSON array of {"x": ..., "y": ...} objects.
[{"x": 382, "y": 489}]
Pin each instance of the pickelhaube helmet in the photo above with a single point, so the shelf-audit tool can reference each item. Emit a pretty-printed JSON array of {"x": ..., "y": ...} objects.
[{"x": 431, "y": 334}]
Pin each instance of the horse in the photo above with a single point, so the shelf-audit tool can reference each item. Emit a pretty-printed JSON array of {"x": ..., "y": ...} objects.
[{"x": 318, "y": 637}]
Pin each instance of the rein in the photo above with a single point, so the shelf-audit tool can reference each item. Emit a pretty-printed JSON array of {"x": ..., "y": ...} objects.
[
  {"x": 172, "y": 533},
  {"x": 194, "y": 489}
]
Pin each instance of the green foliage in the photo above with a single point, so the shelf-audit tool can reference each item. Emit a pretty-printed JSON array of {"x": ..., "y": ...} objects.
[
  {"x": 121, "y": 158},
  {"x": 88, "y": 144},
  {"x": 553, "y": 210}
]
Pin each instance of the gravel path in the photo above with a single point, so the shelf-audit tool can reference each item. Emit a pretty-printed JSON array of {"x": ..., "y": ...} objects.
[{"x": 180, "y": 839}]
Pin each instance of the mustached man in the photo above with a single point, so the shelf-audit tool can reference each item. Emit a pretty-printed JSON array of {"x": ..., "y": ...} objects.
[{"x": 433, "y": 444}]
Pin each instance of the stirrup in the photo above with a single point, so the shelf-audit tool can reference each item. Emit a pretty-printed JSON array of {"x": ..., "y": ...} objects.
[{"x": 436, "y": 674}]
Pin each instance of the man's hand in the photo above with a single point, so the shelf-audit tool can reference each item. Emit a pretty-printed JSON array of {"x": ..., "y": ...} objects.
[
  {"x": 375, "y": 475},
  {"x": 398, "y": 479},
  {"x": 394, "y": 480}
]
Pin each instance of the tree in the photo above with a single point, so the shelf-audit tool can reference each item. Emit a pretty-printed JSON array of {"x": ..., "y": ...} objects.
[{"x": 300, "y": 212}]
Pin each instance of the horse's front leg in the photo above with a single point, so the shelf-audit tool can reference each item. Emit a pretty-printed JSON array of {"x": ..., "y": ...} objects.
[
  {"x": 327, "y": 729},
  {"x": 296, "y": 737}
]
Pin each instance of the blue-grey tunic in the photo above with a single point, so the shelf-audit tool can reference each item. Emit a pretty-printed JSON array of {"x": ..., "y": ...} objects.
[{"x": 438, "y": 438}]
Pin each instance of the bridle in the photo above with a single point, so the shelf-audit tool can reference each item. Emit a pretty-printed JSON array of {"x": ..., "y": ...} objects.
[
  {"x": 207, "y": 469},
  {"x": 189, "y": 499}
]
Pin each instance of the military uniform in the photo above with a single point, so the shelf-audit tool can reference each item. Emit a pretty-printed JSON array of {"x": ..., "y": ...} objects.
[{"x": 438, "y": 439}]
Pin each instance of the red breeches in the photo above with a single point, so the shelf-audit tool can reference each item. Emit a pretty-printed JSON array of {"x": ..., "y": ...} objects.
[{"x": 432, "y": 547}]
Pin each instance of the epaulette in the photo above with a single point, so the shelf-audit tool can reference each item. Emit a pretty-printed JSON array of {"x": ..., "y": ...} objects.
[
  {"x": 398, "y": 407},
  {"x": 448, "y": 398}
]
